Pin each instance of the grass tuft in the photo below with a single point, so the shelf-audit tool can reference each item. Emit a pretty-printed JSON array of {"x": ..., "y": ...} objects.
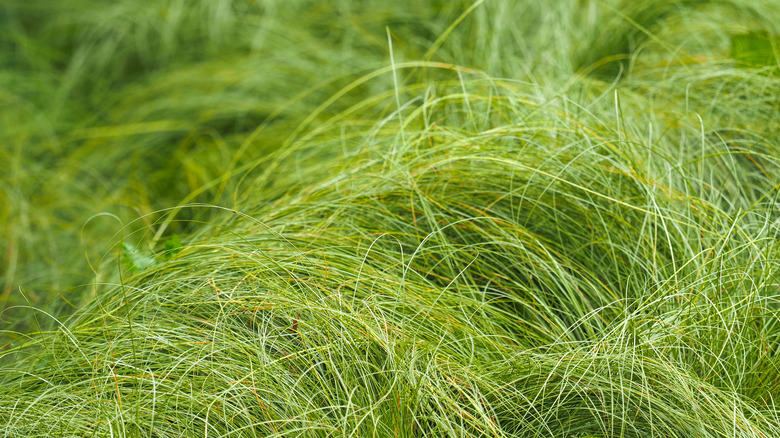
[{"x": 309, "y": 218}]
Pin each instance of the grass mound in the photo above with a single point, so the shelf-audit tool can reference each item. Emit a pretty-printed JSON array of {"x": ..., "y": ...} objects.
[{"x": 443, "y": 241}]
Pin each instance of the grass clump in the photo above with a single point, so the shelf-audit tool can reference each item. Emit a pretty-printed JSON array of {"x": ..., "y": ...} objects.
[{"x": 443, "y": 241}]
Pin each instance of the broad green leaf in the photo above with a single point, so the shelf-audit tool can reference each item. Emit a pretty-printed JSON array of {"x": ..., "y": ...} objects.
[
  {"x": 134, "y": 258},
  {"x": 755, "y": 49}
]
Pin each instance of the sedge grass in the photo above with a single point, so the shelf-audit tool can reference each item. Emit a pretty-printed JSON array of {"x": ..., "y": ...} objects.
[{"x": 449, "y": 243}]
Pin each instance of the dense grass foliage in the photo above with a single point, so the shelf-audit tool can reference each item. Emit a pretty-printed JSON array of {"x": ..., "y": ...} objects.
[{"x": 439, "y": 218}]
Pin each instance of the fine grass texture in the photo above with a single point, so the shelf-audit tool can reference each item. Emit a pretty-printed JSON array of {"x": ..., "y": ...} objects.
[{"x": 390, "y": 219}]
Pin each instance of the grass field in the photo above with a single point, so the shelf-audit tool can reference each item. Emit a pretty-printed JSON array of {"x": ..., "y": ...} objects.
[{"x": 503, "y": 218}]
